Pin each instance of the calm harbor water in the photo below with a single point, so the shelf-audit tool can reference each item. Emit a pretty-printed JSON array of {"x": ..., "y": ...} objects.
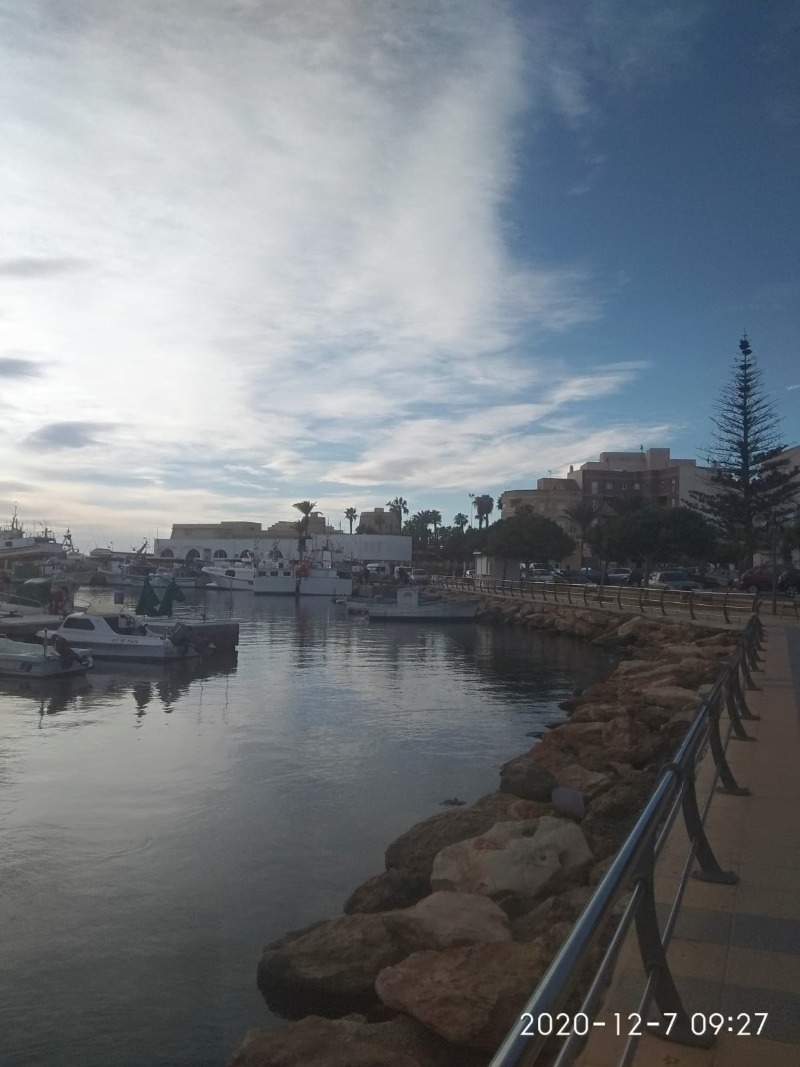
[{"x": 158, "y": 826}]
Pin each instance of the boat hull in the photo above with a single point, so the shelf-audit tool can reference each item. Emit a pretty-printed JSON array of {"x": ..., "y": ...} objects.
[
  {"x": 20, "y": 660},
  {"x": 329, "y": 585},
  {"x": 444, "y": 611}
]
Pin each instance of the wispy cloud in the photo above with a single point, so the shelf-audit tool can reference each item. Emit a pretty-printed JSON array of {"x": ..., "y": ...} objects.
[
  {"x": 29, "y": 267},
  {"x": 275, "y": 237},
  {"x": 16, "y": 367},
  {"x": 58, "y": 435}
]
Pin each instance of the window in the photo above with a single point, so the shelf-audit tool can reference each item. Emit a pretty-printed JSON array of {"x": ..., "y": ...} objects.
[
  {"x": 220, "y": 554},
  {"x": 78, "y": 624},
  {"x": 609, "y": 485},
  {"x": 193, "y": 554},
  {"x": 637, "y": 485},
  {"x": 663, "y": 485},
  {"x": 595, "y": 487},
  {"x": 624, "y": 485},
  {"x": 674, "y": 482},
  {"x": 168, "y": 554}
]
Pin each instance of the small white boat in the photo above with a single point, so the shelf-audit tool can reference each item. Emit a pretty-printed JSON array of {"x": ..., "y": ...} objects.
[
  {"x": 119, "y": 635},
  {"x": 232, "y": 574},
  {"x": 20, "y": 660},
  {"x": 410, "y": 603}
]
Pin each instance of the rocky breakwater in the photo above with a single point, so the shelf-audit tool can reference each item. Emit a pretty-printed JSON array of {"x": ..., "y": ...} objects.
[{"x": 435, "y": 957}]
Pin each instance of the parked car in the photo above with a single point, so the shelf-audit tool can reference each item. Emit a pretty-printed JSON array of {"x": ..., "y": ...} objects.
[
  {"x": 759, "y": 580},
  {"x": 592, "y": 575},
  {"x": 618, "y": 575},
  {"x": 539, "y": 574},
  {"x": 674, "y": 580},
  {"x": 418, "y": 576},
  {"x": 573, "y": 578}
]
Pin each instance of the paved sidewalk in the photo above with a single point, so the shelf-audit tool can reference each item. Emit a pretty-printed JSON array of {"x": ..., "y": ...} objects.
[{"x": 735, "y": 949}]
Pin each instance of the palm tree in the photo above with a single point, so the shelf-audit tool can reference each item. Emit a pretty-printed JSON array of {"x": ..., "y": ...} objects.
[
  {"x": 305, "y": 507},
  {"x": 435, "y": 521},
  {"x": 460, "y": 520},
  {"x": 400, "y": 508},
  {"x": 484, "y": 506},
  {"x": 399, "y": 505},
  {"x": 583, "y": 515},
  {"x": 418, "y": 525},
  {"x": 351, "y": 515}
]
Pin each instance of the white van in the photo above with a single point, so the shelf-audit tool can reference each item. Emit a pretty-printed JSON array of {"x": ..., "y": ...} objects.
[{"x": 379, "y": 568}]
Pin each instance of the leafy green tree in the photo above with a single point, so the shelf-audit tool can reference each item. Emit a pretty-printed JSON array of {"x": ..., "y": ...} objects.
[
  {"x": 528, "y": 537},
  {"x": 351, "y": 515},
  {"x": 459, "y": 546},
  {"x": 687, "y": 537},
  {"x": 749, "y": 479},
  {"x": 650, "y": 534}
]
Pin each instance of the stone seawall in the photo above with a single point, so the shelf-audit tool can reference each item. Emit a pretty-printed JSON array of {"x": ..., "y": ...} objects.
[{"x": 435, "y": 957}]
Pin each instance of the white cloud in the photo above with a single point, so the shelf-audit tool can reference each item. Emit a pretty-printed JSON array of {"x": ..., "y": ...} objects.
[{"x": 275, "y": 237}]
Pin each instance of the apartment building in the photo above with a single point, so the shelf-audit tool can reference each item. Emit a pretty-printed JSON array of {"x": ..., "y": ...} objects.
[
  {"x": 380, "y": 521},
  {"x": 652, "y": 474}
]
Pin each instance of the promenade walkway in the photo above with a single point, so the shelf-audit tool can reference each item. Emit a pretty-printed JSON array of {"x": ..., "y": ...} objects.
[{"x": 735, "y": 949}]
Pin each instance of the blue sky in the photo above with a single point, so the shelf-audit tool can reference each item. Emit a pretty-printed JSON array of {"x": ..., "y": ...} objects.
[{"x": 256, "y": 252}]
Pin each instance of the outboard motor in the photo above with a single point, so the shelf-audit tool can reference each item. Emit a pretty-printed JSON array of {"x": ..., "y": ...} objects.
[
  {"x": 184, "y": 637},
  {"x": 64, "y": 651}
]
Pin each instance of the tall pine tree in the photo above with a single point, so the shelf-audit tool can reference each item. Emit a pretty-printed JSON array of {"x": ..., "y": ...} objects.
[{"x": 748, "y": 477}]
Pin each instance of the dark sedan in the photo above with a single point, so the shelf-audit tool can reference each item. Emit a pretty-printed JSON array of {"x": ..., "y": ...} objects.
[{"x": 760, "y": 579}]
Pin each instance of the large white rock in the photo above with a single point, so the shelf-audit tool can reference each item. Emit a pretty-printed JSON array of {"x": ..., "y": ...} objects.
[
  {"x": 670, "y": 696},
  {"x": 517, "y": 857},
  {"x": 446, "y": 920}
]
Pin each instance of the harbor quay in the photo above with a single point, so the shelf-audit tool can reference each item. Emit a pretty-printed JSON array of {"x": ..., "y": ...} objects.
[{"x": 434, "y": 959}]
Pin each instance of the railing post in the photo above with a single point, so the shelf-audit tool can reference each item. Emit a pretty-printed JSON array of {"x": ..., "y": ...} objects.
[
  {"x": 710, "y": 870},
  {"x": 738, "y": 692},
  {"x": 654, "y": 959},
  {"x": 691, "y": 605},
  {"x": 729, "y": 784},
  {"x": 734, "y": 714}
]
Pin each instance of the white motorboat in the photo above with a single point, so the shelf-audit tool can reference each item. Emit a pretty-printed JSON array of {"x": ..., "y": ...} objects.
[
  {"x": 410, "y": 603},
  {"x": 57, "y": 660},
  {"x": 309, "y": 577},
  {"x": 119, "y": 635},
  {"x": 232, "y": 574}
]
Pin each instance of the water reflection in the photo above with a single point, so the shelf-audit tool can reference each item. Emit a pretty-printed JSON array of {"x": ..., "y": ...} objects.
[{"x": 158, "y": 824}]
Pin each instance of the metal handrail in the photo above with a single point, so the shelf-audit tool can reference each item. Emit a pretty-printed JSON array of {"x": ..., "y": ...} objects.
[
  {"x": 632, "y": 871},
  {"x": 693, "y": 603}
]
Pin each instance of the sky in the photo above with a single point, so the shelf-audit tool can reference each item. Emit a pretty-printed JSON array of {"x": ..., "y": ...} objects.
[{"x": 255, "y": 252}]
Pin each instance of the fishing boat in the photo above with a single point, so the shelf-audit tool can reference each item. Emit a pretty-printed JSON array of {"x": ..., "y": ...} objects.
[
  {"x": 410, "y": 603},
  {"x": 19, "y": 547},
  {"x": 232, "y": 574},
  {"x": 120, "y": 635},
  {"x": 306, "y": 577},
  {"x": 56, "y": 660}
]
